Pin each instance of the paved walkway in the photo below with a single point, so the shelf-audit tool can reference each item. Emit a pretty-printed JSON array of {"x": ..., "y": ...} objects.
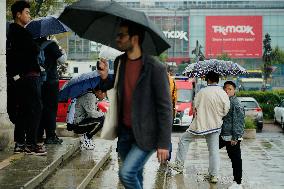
[{"x": 263, "y": 164}]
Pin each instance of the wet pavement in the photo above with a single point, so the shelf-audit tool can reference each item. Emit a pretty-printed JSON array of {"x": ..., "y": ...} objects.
[
  {"x": 263, "y": 166},
  {"x": 28, "y": 170},
  {"x": 83, "y": 165}
]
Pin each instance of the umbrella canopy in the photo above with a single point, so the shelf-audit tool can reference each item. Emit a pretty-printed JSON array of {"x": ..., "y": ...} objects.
[
  {"x": 99, "y": 21},
  {"x": 46, "y": 26},
  {"x": 79, "y": 85},
  {"x": 221, "y": 67}
]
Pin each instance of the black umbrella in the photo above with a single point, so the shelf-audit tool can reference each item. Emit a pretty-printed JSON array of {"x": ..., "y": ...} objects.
[{"x": 99, "y": 21}]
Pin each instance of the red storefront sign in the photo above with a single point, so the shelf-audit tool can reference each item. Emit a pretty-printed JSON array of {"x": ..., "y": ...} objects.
[{"x": 237, "y": 36}]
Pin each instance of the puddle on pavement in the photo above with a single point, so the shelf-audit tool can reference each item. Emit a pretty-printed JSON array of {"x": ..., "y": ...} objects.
[{"x": 266, "y": 145}]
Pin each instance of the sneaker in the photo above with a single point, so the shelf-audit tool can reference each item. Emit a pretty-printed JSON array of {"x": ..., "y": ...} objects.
[
  {"x": 178, "y": 167},
  {"x": 213, "y": 179},
  {"x": 236, "y": 186},
  {"x": 53, "y": 140},
  {"x": 21, "y": 148},
  {"x": 83, "y": 138},
  {"x": 38, "y": 150},
  {"x": 86, "y": 143}
]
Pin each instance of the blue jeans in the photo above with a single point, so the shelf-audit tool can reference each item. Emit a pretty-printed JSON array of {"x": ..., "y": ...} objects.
[{"x": 133, "y": 160}]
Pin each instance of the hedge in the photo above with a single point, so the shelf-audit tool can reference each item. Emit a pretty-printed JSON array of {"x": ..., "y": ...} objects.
[{"x": 266, "y": 99}]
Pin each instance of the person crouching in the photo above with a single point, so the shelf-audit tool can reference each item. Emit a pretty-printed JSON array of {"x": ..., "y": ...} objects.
[{"x": 87, "y": 118}]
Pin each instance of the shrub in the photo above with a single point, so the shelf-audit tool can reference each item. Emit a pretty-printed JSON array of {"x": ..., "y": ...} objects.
[
  {"x": 268, "y": 110},
  {"x": 249, "y": 123}
]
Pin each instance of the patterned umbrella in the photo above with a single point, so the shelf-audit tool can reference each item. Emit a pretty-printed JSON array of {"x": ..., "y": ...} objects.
[{"x": 221, "y": 67}]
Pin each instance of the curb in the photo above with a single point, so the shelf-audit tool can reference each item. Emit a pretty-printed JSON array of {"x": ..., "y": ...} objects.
[
  {"x": 95, "y": 169},
  {"x": 33, "y": 183}
]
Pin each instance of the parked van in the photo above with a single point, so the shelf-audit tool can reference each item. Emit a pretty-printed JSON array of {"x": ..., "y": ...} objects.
[{"x": 185, "y": 94}]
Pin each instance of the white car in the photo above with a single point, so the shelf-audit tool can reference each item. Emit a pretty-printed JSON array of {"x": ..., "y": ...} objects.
[{"x": 279, "y": 114}]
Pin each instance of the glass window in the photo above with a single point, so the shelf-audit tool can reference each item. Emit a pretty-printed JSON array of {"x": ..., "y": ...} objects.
[
  {"x": 249, "y": 104},
  {"x": 75, "y": 70},
  {"x": 184, "y": 95}
]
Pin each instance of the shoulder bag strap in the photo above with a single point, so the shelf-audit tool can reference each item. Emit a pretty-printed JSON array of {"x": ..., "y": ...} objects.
[{"x": 117, "y": 73}]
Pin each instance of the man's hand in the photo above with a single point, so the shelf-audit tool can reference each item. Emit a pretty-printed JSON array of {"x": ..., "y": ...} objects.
[
  {"x": 162, "y": 155},
  {"x": 103, "y": 68},
  {"x": 234, "y": 142}
]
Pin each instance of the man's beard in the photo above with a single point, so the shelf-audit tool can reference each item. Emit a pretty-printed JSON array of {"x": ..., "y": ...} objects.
[{"x": 126, "y": 48}]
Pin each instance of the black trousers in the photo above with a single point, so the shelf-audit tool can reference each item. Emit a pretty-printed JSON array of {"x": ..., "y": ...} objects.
[
  {"x": 90, "y": 126},
  {"x": 29, "y": 110},
  {"x": 12, "y": 100},
  {"x": 234, "y": 153},
  {"x": 50, "y": 92}
]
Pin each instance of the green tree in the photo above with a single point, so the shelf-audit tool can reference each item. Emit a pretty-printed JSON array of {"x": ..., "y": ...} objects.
[
  {"x": 277, "y": 56},
  {"x": 224, "y": 56},
  {"x": 163, "y": 57},
  {"x": 39, "y": 8},
  {"x": 267, "y": 57}
]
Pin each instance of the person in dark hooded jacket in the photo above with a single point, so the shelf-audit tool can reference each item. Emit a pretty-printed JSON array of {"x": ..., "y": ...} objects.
[{"x": 23, "y": 76}]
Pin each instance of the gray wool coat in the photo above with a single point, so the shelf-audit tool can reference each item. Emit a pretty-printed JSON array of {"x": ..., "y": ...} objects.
[{"x": 151, "y": 114}]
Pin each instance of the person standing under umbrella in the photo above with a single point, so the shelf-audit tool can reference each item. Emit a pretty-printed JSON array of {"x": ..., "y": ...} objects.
[
  {"x": 24, "y": 71},
  {"x": 211, "y": 104},
  {"x": 50, "y": 90},
  {"x": 231, "y": 133},
  {"x": 144, "y": 105}
]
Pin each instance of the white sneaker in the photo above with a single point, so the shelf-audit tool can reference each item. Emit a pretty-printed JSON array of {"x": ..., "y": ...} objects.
[
  {"x": 91, "y": 142},
  {"x": 213, "y": 179},
  {"x": 236, "y": 186},
  {"x": 86, "y": 143},
  {"x": 83, "y": 138}
]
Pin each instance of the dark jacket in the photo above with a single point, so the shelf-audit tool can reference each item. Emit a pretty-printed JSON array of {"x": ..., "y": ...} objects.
[
  {"x": 22, "y": 52},
  {"x": 151, "y": 115},
  {"x": 234, "y": 121},
  {"x": 52, "y": 53}
]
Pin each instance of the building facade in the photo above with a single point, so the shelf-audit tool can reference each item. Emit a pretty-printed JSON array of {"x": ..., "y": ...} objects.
[{"x": 234, "y": 27}]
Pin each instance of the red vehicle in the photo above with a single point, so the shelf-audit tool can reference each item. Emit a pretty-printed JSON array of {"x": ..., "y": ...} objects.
[
  {"x": 62, "y": 106},
  {"x": 185, "y": 94}
]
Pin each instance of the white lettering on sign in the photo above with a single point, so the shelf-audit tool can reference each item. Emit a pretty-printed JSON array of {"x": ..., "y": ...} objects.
[
  {"x": 176, "y": 35},
  {"x": 233, "y": 29}
]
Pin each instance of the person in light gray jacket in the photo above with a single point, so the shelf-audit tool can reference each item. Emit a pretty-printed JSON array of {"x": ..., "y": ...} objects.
[{"x": 232, "y": 132}]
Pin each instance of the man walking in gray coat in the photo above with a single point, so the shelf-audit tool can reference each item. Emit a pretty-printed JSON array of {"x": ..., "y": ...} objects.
[{"x": 144, "y": 105}]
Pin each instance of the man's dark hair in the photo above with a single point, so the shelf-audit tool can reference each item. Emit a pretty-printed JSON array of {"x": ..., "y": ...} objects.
[
  {"x": 97, "y": 88},
  {"x": 134, "y": 29},
  {"x": 230, "y": 83},
  {"x": 212, "y": 76},
  {"x": 19, "y": 6}
]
